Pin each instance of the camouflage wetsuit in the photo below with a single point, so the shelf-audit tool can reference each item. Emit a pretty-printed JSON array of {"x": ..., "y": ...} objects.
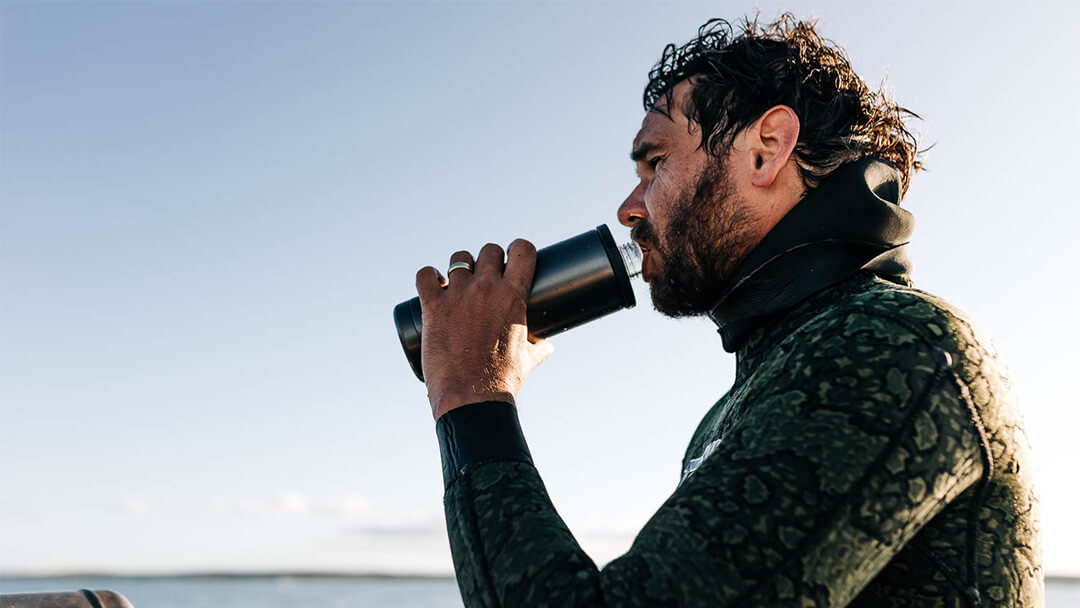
[{"x": 869, "y": 453}]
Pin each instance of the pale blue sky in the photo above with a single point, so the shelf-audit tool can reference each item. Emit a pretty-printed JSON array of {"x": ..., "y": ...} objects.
[{"x": 209, "y": 210}]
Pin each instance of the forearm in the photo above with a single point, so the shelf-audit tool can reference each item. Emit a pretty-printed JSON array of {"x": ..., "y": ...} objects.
[{"x": 510, "y": 546}]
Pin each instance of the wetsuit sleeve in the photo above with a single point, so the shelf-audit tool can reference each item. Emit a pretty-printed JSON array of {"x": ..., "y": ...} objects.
[{"x": 847, "y": 442}]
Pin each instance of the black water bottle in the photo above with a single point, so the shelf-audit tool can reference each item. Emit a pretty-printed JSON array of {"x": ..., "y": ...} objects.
[{"x": 577, "y": 280}]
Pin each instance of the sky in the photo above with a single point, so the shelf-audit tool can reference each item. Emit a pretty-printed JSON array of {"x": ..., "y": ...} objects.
[{"x": 209, "y": 209}]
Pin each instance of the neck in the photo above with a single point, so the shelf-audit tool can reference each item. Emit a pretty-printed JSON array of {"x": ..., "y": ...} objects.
[{"x": 851, "y": 222}]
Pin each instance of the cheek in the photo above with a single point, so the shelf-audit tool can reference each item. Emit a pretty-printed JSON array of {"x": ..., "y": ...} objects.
[
  {"x": 658, "y": 197},
  {"x": 661, "y": 179}
]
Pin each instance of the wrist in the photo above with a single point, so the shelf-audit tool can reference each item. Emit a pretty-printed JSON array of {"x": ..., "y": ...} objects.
[
  {"x": 449, "y": 400},
  {"x": 479, "y": 433}
]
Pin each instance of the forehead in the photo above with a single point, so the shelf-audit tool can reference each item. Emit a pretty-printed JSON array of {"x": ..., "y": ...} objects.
[
  {"x": 654, "y": 127},
  {"x": 664, "y": 122}
]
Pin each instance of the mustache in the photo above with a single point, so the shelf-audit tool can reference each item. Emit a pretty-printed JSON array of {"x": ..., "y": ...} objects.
[{"x": 644, "y": 233}]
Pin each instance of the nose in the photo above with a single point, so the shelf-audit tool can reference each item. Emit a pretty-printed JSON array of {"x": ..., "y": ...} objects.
[{"x": 632, "y": 210}]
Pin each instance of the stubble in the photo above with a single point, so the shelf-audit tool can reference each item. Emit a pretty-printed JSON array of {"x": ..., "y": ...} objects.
[{"x": 707, "y": 235}]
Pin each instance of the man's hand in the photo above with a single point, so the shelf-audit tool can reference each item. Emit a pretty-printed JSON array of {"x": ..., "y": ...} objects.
[{"x": 476, "y": 345}]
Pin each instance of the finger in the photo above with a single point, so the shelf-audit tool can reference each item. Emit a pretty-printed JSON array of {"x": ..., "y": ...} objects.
[
  {"x": 428, "y": 284},
  {"x": 460, "y": 275},
  {"x": 490, "y": 260},
  {"x": 521, "y": 264}
]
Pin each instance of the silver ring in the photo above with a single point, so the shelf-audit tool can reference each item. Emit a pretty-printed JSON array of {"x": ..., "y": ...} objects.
[{"x": 456, "y": 265}]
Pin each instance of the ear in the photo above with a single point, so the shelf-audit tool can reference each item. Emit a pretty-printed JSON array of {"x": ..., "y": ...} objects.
[{"x": 772, "y": 142}]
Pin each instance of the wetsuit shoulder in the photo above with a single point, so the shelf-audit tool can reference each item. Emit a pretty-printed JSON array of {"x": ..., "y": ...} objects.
[{"x": 999, "y": 519}]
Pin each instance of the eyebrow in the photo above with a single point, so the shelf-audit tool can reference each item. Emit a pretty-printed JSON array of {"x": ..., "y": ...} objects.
[{"x": 642, "y": 150}]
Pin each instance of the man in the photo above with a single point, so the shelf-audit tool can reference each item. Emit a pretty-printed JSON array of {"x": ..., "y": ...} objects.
[{"x": 869, "y": 452}]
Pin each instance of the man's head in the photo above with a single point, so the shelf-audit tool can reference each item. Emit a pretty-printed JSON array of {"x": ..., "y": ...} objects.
[{"x": 737, "y": 129}]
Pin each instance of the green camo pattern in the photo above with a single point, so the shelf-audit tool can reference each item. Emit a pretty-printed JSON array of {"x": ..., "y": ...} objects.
[{"x": 869, "y": 453}]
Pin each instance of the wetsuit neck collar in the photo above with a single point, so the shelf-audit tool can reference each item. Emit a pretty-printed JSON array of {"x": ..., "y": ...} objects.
[{"x": 852, "y": 221}]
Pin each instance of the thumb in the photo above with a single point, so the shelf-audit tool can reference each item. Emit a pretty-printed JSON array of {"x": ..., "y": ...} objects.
[{"x": 541, "y": 349}]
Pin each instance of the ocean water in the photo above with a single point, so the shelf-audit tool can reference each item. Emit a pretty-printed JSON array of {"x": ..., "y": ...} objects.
[
  {"x": 284, "y": 592},
  {"x": 258, "y": 592}
]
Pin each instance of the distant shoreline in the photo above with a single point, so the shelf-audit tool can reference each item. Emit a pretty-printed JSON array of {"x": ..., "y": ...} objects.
[{"x": 313, "y": 575}]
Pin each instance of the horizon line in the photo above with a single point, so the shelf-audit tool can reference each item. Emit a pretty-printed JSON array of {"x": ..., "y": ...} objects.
[
  {"x": 226, "y": 574},
  {"x": 299, "y": 574}
]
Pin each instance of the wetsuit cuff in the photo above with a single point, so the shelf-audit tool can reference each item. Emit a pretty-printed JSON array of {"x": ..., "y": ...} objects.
[{"x": 477, "y": 433}]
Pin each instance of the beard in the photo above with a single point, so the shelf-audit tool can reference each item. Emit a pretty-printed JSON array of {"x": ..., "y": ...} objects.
[{"x": 708, "y": 234}]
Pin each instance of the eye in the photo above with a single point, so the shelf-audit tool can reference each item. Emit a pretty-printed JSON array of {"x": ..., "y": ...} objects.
[{"x": 654, "y": 162}]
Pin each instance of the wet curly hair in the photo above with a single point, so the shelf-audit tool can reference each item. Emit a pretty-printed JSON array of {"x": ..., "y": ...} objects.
[{"x": 736, "y": 77}]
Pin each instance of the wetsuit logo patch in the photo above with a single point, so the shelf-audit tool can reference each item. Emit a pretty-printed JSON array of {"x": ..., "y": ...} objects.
[{"x": 696, "y": 462}]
